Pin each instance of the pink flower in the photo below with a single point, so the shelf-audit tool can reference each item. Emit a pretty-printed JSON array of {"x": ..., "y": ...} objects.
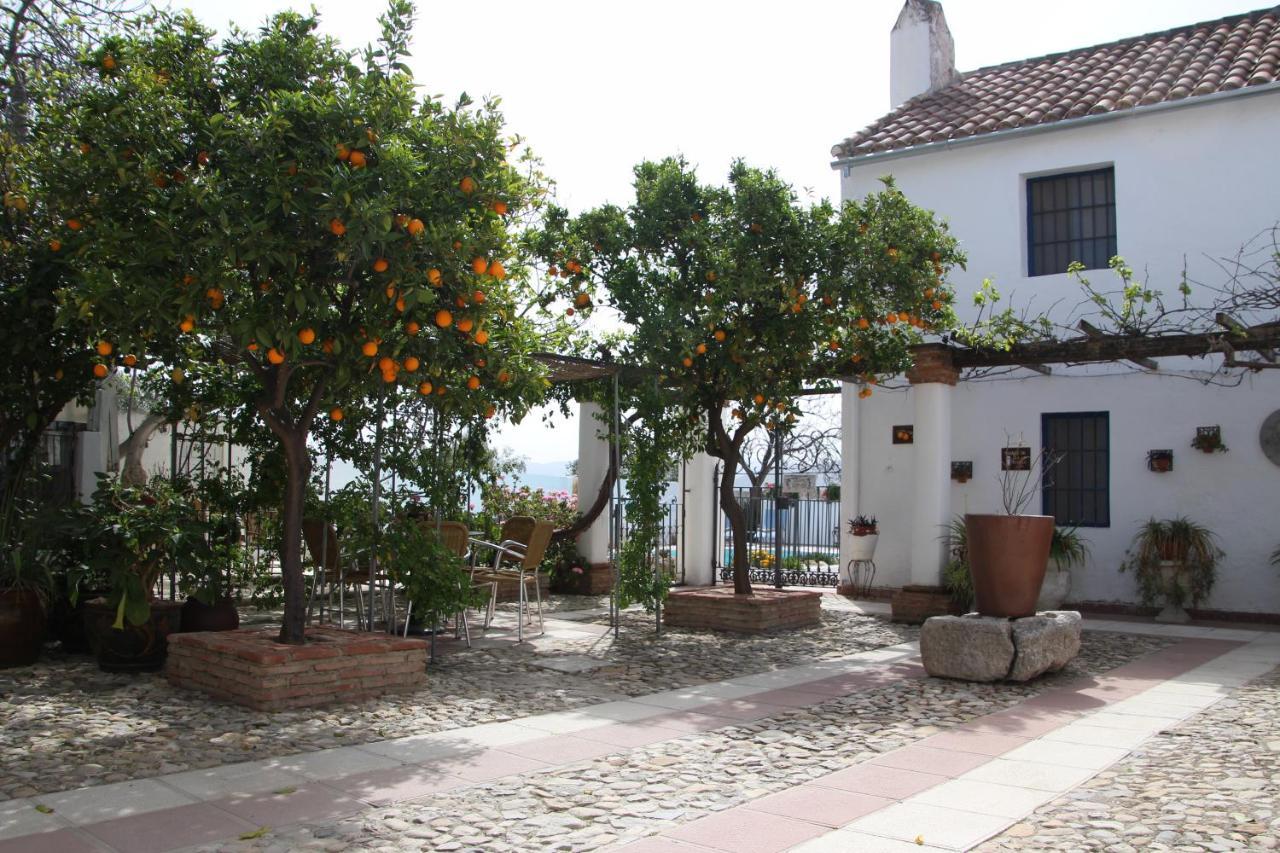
[{"x": 577, "y": 570}]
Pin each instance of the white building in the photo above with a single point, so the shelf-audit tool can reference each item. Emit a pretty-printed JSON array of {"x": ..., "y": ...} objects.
[{"x": 1161, "y": 148}]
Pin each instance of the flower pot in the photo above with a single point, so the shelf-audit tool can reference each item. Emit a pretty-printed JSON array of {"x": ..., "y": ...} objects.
[
  {"x": 222, "y": 615},
  {"x": 863, "y": 547},
  {"x": 22, "y": 627},
  {"x": 1008, "y": 555},
  {"x": 133, "y": 648},
  {"x": 1172, "y": 613}
]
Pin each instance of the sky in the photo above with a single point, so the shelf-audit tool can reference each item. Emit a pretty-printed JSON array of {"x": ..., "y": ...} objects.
[{"x": 595, "y": 87}]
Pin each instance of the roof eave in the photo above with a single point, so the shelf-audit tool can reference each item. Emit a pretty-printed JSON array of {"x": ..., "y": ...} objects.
[{"x": 1046, "y": 127}]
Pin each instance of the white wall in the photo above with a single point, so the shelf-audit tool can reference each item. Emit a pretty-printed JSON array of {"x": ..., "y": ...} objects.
[{"x": 1190, "y": 182}]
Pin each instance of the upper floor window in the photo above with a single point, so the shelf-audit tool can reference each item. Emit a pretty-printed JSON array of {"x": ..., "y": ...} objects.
[{"x": 1071, "y": 217}]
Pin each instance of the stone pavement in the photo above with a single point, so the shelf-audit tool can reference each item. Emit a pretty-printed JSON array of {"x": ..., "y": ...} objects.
[{"x": 813, "y": 763}]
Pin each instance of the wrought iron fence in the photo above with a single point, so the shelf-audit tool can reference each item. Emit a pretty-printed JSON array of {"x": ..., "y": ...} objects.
[
  {"x": 810, "y": 539},
  {"x": 52, "y": 480},
  {"x": 667, "y": 547}
]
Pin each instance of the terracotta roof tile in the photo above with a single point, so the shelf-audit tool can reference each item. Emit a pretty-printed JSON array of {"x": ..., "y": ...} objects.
[{"x": 1199, "y": 59}]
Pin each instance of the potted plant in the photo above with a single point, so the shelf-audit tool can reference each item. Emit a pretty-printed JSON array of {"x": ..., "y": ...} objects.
[
  {"x": 1067, "y": 550},
  {"x": 205, "y": 573},
  {"x": 1009, "y": 552},
  {"x": 866, "y": 533},
  {"x": 136, "y": 535},
  {"x": 832, "y": 492},
  {"x": 956, "y": 577},
  {"x": 25, "y": 587},
  {"x": 1174, "y": 560},
  {"x": 1209, "y": 440}
]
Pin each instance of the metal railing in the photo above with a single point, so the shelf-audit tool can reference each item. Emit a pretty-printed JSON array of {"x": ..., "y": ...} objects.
[{"x": 810, "y": 539}]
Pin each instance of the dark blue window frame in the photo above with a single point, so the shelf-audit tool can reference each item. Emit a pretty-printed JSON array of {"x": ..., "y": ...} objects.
[
  {"x": 1071, "y": 216},
  {"x": 1077, "y": 491}
]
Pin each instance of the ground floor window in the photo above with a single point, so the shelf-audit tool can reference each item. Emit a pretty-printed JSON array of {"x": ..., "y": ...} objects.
[{"x": 1077, "y": 490}]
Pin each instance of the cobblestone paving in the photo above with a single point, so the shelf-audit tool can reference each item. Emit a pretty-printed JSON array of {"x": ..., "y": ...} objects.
[
  {"x": 64, "y": 723},
  {"x": 637, "y": 792},
  {"x": 1210, "y": 783}
]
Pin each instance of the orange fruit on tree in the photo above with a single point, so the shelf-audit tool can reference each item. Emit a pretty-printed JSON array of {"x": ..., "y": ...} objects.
[
  {"x": 490, "y": 410},
  {"x": 188, "y": 323},
  {"x": 85, "y": 148},
  {"x": 357, "y": 159},
  {"x": 369, "y": 348},
  {"x": 720, "y": 336},
  {"x": 758, "y": 399},
  {"x": 275, "y": 356},
  {"x": 327, "y": 346},
  {"x": 500, "y": 208},
  {"x": 105, "y": 347},
  {"x": 891, "y": 317},
  {"x": 130, "y": 360},
  {"x": 482, "y": 337},
  {"x": 386, "y": 363},
  {"x": 582, "y": 300},
  {"x": 411, "y": 363},
  {"x": 109, "y": 62},
  {"x": 177, "y": 375},
  {"x": 480, "y": 362},
  {"x": 473, "y": 382},
  {"x": 343, "y": 152},
  {"x": 700, "y": 349},
  {"x": 390, "y": 291},
  {"x": 100, "y": 371},
  {"x": 401, "y": 220},
  {"x": 864, "y": 393},
  {"x": 307, "y": 335},
  {"x": 336, "y": 227},
  {"x": 415, "y": 227},
  {"x": 253, "y": 347},
  {"x": 467, "y": 185},
  {"x": 444, "y": 319},
  {"x": 425, "y": 388},
  {"x": 937, "y": 306},
  {"x": 388, "y": 376},
  {"x": 863, "y": 324},
  {"x": 569, "y": 312},
  {"x": 335, "y": 414},
  {"x": 400, "y": 304},
  {"x": 75, "y": 224},
  {"x": 686, "y": 361},
  {"x": 466, "y": 324},
  {"x": 478, "y": 297},
  {"x": 479, "y": 266},
  {"x": 55, "y": 245},
  {"x": 412, "y": 328},
  {"x": 460, "y": 301},
  {"x": 380, "y": 265},
  {"x": 433, "y": 277},
  {"x": 440, "y": 392},
  {"x": 497, "y": 270},
  {"x": 833, "y": 345}
]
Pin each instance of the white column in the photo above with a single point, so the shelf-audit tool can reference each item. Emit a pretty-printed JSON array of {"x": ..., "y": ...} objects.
[
  {"x": 850, "y": 465},
  {"x": 932, "y": 509},
  {"x": 700, "y": 533},
  {"x": 593, "y": 465}
]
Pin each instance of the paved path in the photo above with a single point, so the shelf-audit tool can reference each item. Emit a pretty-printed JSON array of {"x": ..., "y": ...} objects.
[{"x": 949, "y": 791}]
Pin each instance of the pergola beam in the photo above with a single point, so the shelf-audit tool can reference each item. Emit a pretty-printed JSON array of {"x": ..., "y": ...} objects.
[{"x": 1094, "y": 333}]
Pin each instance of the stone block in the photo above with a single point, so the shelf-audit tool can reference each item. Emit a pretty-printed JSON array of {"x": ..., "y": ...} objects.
[
  {"x": 1045, "y": 642},
  {"x": 971, "y": 648},
  {"x": 983, "y": 648}
]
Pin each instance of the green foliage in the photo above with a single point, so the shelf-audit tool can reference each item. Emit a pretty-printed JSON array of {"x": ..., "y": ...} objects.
[
  {"x": 1190, "y": 546},
  {"x": 434, "y": 578},
  {"x": 133, "y": 536},
  {"x": 1068, "y": 548},
  {"x": 956, "y": 577},
  {"x": 738, "y": 297}
]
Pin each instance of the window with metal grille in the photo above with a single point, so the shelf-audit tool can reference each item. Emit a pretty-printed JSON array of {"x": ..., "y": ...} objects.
[
  {"x": 1077, "y": 490},
  {"x": 1071, "y": 217}
]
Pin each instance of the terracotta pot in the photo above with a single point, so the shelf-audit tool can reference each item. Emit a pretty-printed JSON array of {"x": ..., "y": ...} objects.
[
  {"x": 134, "y": 648},
  {"x": 219, "y": 616},
  {"x": 22, "y": 627},
  {"x": 1008, "y": 555}
]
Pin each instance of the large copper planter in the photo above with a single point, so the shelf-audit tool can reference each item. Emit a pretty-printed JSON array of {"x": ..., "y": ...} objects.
[{"x": 1008, "y": 555}]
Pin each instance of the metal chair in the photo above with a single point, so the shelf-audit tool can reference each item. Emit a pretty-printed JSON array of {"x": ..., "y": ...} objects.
[
  {"x": 516, "y": 559},
  {"x": 329, "y": 572}
]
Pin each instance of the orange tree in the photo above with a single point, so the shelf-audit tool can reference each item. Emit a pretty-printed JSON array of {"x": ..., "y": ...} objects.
[
  {"x": 297, "y": 215},
  {"x": 737, "y": 299}
]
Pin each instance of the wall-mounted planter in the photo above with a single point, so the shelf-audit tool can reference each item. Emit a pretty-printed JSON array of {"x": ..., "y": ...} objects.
[
  {"x": 904, "y": 434},
  {"x": 1160, "y": 461},
  {"x": 1209, "y": 440},
  {"x": 962, "y": 471}
]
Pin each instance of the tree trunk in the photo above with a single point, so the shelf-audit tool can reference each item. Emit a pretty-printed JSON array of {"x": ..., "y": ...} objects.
[
  {"x": 293, "y": 627},
  {"x": 131, "y": 449},
  {"x": 738, "y": 528}
]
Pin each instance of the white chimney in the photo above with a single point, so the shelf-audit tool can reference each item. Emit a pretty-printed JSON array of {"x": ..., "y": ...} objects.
[{"x": 922, "y": 56}]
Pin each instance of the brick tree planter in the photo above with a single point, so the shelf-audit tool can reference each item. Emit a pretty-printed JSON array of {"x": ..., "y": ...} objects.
[
  {"x": 595, "y": 579},
  {"x": 719, "y": 609},
  {"x": 250, "y": 668},
  {"x": 914, "y": 604}
]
